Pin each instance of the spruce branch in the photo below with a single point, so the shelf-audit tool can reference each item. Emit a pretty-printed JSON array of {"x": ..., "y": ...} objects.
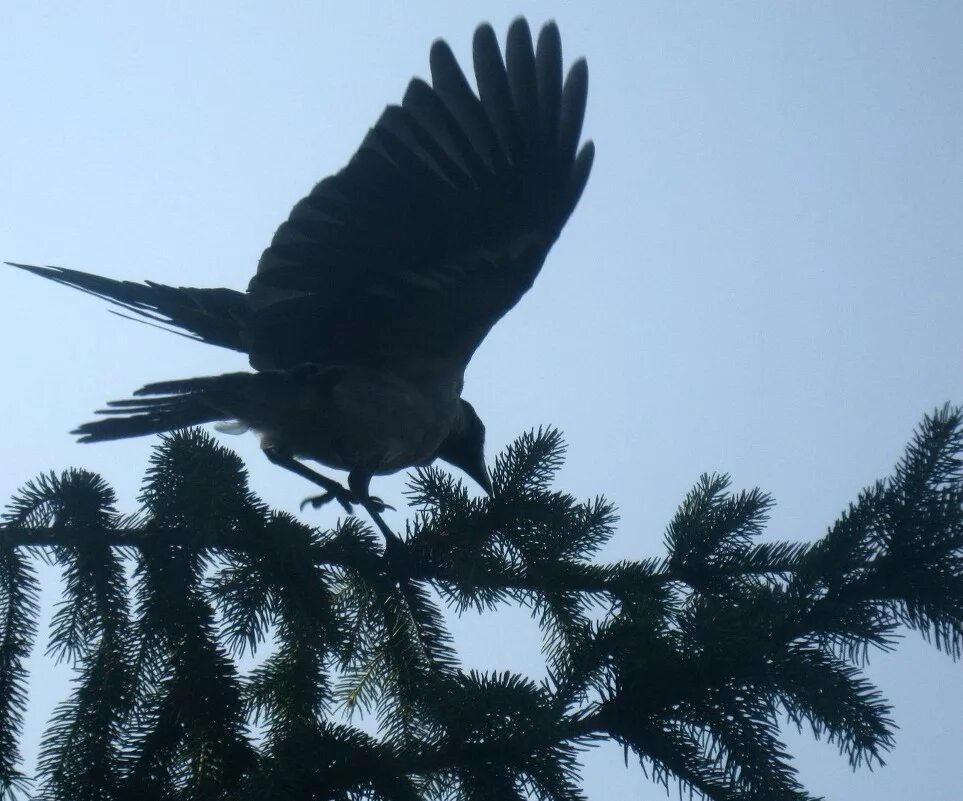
[
  {"x": 693, "y": 660},
  {"x": 19, "y": 603}
]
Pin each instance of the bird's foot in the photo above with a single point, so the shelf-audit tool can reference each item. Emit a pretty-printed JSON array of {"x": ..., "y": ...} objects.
[
  {"x": 378, "y": 505},
  {"x": 347, "y": 500},
  {"x": 317, "y": 501}
]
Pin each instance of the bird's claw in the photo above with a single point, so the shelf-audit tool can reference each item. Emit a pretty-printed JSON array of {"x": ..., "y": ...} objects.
[
  {"x": 379, "y": 505},
  {"x": 317, "y": 501},
  {"x": 347, "y": 501}
]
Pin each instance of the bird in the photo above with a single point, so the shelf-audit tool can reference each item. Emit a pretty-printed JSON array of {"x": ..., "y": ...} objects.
[{"x": 370, "y": 300}]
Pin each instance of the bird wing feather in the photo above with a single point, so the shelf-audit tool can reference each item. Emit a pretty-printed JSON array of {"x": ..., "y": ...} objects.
[{"x": 439, "y": 223}]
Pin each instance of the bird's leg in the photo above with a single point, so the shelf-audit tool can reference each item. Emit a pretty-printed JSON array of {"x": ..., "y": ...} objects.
[
  {"x": 358, "y": 483},
  {"x": 390, "y": 537},
  {"x": 332, "y": 489}
]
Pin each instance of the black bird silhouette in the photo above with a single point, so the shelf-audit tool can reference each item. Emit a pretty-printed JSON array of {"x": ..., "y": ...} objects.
[{"x": 372, "y": 297}]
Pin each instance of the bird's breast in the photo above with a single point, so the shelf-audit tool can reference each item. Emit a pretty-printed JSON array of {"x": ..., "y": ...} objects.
[{"x": 367, "y": 420}]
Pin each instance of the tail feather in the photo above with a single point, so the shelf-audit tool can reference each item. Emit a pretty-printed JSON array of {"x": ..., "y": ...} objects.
[
  {"x": 216, "y": 316},
  {"x": 153, "y": 416},
  {"x": 226, "y": 382},
  {"x": 170, "y": 405}
]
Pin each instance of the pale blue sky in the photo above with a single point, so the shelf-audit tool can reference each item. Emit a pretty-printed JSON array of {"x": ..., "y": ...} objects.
[{"x": 763, "y": 277}]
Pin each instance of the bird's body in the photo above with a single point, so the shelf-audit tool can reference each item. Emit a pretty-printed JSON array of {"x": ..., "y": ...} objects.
[
  {"x": 382, "y": 422},
  {"x": 348, "y": 418},
  {"x": 372, "y": 297}
]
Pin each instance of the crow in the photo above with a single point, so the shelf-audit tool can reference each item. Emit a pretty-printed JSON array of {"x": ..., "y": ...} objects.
[{"x": 371, "y": 298}]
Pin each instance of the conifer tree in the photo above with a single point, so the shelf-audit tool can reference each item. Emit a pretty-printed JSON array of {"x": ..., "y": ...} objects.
[{"x": 692, "y": 660}]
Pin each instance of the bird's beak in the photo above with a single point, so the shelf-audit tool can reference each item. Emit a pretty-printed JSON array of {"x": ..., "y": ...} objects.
[
  {"x": 479, "y": 473},
  {"x": 486, "y": 483}
]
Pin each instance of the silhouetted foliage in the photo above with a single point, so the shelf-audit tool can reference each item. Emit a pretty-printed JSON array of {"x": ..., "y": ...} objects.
[{"x": 692, "y": 661}]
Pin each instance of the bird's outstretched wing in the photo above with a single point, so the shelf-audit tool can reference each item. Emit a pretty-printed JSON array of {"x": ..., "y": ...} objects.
[{"x": 441, "y": 220}]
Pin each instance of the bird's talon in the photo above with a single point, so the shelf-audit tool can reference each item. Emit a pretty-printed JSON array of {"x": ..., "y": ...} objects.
[
  {"x": 347, "y": 502},
  {"x": 379, "y": 505},
  {"x": 317, "y": 501}
]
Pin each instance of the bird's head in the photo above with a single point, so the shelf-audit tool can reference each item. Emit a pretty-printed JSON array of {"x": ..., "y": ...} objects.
[{"x": 464, "y": 447}]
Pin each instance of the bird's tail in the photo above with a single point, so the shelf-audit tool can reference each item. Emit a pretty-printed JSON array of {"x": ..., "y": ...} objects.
[
  {"x": 172, "y": 405},
  {"x": 216, "y": 316}
]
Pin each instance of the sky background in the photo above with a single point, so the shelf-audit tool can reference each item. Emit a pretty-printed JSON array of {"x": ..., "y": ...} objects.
[{"x": 763, "y": 276}]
